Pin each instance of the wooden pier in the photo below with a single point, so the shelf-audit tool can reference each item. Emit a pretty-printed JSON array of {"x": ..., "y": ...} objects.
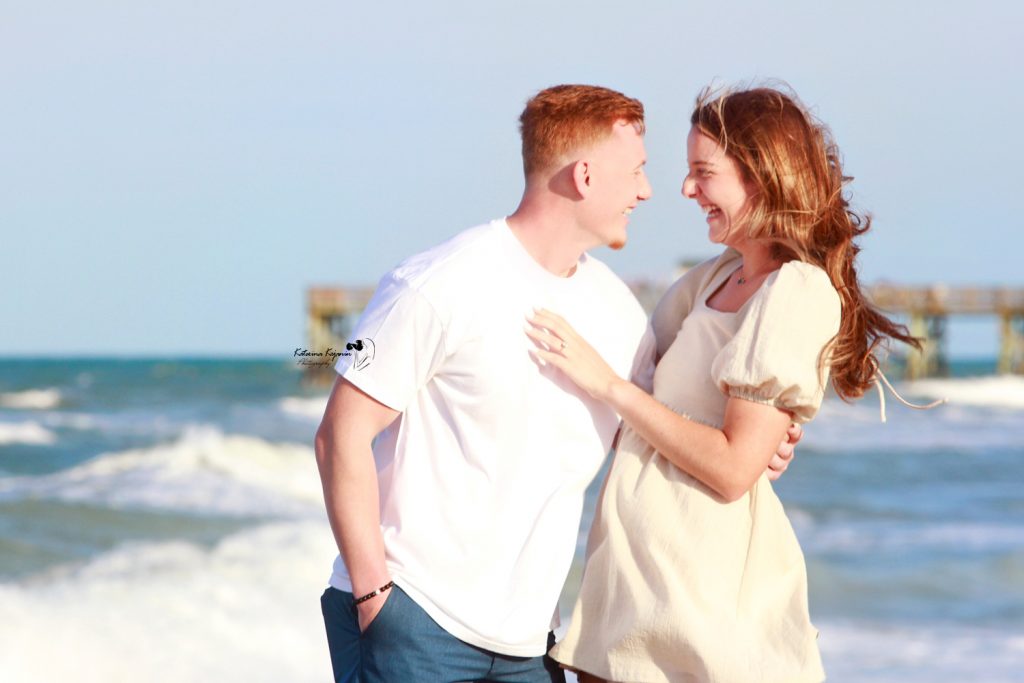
[
  {"x": 929, "y": 308},
  {"x": 333, "y": 311}
]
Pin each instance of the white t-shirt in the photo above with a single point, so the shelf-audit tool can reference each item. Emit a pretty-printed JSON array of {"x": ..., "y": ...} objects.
[{"x": 482, "y": 477}]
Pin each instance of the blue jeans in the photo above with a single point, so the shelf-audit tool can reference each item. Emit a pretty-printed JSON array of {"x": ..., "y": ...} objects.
[{"x": 404, "y": 645}]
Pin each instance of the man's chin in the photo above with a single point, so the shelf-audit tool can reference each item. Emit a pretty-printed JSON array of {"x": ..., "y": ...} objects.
[{"x": 617, "y": 244}]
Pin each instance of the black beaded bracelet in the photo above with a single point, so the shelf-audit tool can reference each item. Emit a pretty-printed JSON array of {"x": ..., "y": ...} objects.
[{"x": 375, "y": 593}]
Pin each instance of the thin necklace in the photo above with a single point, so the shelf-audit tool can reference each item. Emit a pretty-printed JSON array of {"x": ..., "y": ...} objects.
[{"x": 740, "y": 280}]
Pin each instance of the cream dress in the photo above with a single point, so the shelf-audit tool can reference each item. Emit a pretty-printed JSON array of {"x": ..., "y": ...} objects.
[{"x": 680, "y": 586}]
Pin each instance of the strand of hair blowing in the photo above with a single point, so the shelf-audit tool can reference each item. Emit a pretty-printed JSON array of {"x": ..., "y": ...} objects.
[
  {"x": 799, "y": 207},
  {"x": 862, "y": 327}
]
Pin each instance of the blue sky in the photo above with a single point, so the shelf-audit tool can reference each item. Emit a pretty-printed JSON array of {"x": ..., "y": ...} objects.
[{"x": 173, "y": 175}]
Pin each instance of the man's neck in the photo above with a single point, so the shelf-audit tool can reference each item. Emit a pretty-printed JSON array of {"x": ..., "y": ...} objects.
[{"x": 549, "y": 236}]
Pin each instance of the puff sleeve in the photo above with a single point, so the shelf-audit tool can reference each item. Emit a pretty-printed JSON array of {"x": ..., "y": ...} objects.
[{"x": 774, "y": 357}]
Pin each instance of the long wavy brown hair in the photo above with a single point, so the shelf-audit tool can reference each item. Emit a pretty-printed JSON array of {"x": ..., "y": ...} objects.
[{"x": 800, "y": 208}]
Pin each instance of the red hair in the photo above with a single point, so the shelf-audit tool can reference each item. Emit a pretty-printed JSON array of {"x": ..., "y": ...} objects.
[
  {"x": 564, "y": 118},
  {"x": 799, "y": 207}
]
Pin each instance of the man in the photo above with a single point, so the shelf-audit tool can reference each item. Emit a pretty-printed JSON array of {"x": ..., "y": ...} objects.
[{"x": 456, "y": 527}]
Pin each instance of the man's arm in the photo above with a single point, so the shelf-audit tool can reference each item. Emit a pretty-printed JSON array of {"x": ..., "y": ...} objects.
[{"x": 349, "y": 477}]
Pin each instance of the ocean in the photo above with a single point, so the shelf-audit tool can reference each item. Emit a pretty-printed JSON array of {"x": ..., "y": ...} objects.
[{"x": 162, "y": 520}]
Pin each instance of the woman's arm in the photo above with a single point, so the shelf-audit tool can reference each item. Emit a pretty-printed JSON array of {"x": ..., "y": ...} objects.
[{"x": 727, "y": 460}]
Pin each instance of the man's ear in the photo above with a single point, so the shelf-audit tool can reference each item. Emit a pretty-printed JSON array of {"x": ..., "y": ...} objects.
[{"x": 581, "y": 177}]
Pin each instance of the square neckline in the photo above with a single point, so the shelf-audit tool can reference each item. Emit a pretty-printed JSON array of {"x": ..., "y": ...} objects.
[{"x": 714, "y": 286}]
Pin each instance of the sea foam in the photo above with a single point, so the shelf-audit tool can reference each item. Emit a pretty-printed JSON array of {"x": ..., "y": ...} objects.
[
  {"x": 1003, "y": 391},
  {"x": 31, "y": 399},
  {"x": 204, "y": 472},
  {"x": 246, "y": 609},
  {"x": 865, "y": 536},
  {"x": 25, "y": 432},
  {"x": 920, "y": 653},
  {"x": 957, "y": 425},
  {"x": 310, "y": 408}
]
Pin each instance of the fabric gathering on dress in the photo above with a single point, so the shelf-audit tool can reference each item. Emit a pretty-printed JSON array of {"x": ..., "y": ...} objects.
[{"x": 679, "y": 585}]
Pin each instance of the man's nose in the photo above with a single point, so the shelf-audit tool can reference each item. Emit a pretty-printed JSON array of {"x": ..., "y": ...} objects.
[{"x": 645, "y": 190}]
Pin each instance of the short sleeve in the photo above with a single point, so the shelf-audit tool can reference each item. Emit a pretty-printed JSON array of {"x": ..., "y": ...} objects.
[
  {"x": 776, "y": 356},
  {"x": 397, "y": 345},
  {"x": 677, "y": 301}
]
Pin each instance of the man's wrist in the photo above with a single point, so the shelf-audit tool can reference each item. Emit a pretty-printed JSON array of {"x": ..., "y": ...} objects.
[
  {"x": 369, "y": 576},
  {"x": 361, "y": 599}
]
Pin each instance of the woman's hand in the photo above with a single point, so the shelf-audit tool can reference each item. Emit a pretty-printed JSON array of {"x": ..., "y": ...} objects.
[{"x": 559, "y": 345}]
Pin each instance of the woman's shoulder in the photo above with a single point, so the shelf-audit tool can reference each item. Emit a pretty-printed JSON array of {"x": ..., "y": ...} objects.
[
  {"x": 804, "y": 280},
  {"x": 797, "y": 299},
  {"x": 775, "y": 356},
  {"x": 679, "y": 298},
  {"x": 697, "y": 277},
  {"x": 796, "y": 307},
  {"x": 716, "y": 264}
]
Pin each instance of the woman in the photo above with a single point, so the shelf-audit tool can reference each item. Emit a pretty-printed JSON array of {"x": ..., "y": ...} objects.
[{"x": 693, "y": 571}]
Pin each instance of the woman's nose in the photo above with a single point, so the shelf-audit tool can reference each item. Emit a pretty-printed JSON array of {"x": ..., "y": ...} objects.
[{"x": 689, "y": 187}]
